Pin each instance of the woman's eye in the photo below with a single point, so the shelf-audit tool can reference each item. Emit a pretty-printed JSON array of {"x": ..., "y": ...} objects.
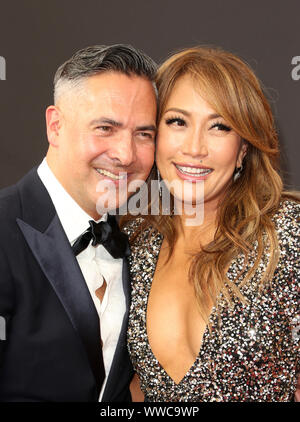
[
  {"x": 221, "y": 126},
  {"x": 176, "y": 121}
]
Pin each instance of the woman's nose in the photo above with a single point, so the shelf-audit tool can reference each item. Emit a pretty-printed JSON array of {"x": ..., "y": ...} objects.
[{"x": 195, "y": 144}]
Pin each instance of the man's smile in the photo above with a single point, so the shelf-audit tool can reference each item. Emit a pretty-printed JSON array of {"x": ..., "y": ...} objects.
[{"x": 114, "y": 176}]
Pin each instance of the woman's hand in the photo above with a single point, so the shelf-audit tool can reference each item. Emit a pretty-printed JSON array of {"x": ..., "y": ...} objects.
[{"x": 135, "y": 389}]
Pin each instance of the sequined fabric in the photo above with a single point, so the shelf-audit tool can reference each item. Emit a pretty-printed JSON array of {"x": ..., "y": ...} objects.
[{"x": 252, "y": 351}]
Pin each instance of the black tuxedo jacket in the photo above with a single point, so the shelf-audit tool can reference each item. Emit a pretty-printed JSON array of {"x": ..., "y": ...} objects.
[{"x": 50, "y": 350}]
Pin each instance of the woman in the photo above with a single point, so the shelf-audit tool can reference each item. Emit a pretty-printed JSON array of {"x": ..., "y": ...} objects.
[{"x": 215, "y": 306}]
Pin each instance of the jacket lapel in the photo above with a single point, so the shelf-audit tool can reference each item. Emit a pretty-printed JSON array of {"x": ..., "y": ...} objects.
[{"x": 47, "y": 240}]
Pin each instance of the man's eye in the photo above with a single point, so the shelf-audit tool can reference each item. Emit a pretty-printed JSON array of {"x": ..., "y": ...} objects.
[
  {"x": 175, "y": 121},
  {"x": 104, "y": 128},
  {"x": 146, "y": 135},
  {"x": 221, "y": 126}
]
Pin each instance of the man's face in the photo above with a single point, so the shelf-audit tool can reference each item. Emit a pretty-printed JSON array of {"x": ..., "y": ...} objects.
[{"x": 100, "y": 130}]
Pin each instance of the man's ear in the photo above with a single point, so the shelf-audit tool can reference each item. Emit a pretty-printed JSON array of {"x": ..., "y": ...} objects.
[
  {"x": 242, "y": 153},
  {"x": 53, "y": 122}
]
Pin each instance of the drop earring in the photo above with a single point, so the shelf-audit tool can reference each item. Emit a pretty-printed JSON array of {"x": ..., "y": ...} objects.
[
  {"x": 159, "y": 183},
  {"x": 238, "y": 172}
]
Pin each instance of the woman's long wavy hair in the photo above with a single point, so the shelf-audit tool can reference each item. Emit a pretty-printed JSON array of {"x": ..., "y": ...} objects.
[{"x": 245, "y": 214}]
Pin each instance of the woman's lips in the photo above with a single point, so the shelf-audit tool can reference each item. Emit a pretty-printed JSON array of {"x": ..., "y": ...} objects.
[{"x": 192, "y": 173}]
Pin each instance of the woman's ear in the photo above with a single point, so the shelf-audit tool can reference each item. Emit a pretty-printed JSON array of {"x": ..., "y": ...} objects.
[
  {"x": 242, "y": 153},
  {"x": 53, "y": 122}
]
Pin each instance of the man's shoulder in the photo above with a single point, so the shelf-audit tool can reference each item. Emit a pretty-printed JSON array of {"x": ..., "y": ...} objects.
[
  {"x": 9, "y": 201},
  {"x": 10, "y": 210},
  {"x": 12, "y": 197}
]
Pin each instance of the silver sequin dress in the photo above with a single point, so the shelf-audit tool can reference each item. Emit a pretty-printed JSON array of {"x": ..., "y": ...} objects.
[{"x": 252, "y": 352}]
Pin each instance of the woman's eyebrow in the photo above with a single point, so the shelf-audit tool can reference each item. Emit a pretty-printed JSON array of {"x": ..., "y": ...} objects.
[
  {"x": 178, "y": 110},
  {"x": 187, "y": 113}
]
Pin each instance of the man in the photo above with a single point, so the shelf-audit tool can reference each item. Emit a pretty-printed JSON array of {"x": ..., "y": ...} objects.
[{"x": 64, "y": 296}]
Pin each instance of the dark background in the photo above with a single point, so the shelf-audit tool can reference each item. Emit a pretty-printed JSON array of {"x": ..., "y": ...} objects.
[{"x": 37, "y": 36}]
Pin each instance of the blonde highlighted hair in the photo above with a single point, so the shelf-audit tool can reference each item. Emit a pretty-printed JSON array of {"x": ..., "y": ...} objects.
[{"x": 245, "y": 214}]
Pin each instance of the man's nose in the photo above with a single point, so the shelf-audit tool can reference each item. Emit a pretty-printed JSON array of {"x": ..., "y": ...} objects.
[{"x": 123, "y": 150}]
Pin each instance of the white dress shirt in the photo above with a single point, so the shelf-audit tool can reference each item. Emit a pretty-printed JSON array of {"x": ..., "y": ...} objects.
[{"x": 95, "y": 263}]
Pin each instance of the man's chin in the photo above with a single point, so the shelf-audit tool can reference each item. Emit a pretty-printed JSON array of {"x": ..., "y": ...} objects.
[{"x": 111, "y": 203}]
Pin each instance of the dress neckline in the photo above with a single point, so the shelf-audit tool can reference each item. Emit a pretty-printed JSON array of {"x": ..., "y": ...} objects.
[{"x": 153, "y": 264}]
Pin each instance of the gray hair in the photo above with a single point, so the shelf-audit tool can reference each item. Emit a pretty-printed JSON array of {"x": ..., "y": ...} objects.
[{"x": 96, "y": 59}]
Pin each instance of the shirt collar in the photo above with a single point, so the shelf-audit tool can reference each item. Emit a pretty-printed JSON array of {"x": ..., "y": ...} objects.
[{"x": 72, "y": 217}]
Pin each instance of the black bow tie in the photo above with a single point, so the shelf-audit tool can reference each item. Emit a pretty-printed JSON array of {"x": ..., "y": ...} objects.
[{"x": 106, "y": 233}]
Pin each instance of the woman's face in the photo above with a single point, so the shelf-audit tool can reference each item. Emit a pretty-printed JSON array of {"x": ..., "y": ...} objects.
[{"x": 196, "y": 146}]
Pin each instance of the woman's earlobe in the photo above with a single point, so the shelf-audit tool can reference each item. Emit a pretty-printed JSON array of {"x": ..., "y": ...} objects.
[{"x": 242, "y": 153}]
